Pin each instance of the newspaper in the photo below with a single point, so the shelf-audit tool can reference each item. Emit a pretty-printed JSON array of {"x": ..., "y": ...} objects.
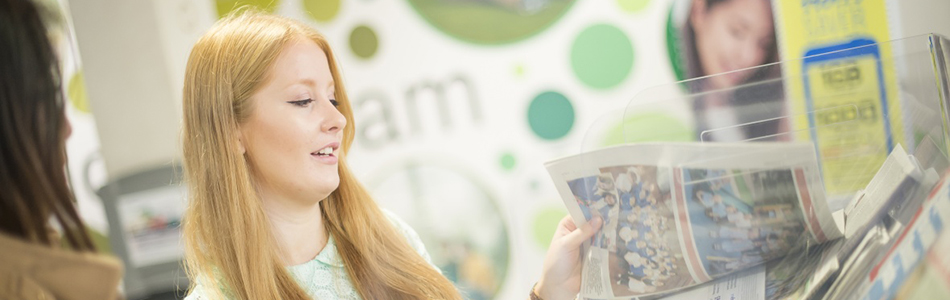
[
  {"x": 680, "y": 214},
  {"x": 803, "y": 272},
  {"x": 892, "y": 201},
  {"x": 745, "y": 285},
  {"x": 910, "y": 233}
]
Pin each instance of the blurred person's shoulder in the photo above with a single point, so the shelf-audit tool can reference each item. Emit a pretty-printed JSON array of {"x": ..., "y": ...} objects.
[{"x": 32, "y": 271}]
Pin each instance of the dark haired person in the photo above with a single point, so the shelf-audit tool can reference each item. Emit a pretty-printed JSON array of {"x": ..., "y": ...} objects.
[{"x": 38, "y": 262}]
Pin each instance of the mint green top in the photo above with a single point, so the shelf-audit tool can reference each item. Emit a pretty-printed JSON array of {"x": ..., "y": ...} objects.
[{"x": 324, "y": 277}]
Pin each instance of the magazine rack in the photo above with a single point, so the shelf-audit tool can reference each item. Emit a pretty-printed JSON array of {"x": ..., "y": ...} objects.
[{"x": 854, "y": 102}]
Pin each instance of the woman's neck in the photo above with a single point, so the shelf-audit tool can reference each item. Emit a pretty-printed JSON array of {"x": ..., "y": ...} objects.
[{"x": 298, "y": 227}]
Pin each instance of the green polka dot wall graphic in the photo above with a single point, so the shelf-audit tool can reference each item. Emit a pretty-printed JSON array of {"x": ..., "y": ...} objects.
[
  {"x": 545, "y": 223},
  {"x": 633, "y": 6},
  {"x": 491, "y": 22},
  {"x": 226, "y": 6},
  {"x": 602, "y": 56},
  {"x": 648, "y": 127},
  {"x": 673, "y": 48},
  {"x": 363, "y": 42},
  {"x": 507, "y": 161},
  {"x": 519, "y": 70},
  {"x": 322, "y": 10},
  {"x": 550, "y": 115}
]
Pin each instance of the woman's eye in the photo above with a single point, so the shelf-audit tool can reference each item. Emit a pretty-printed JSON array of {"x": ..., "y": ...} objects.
[
  {"x": 301, "y": 103},
  {"x": 334, "y": 102}
]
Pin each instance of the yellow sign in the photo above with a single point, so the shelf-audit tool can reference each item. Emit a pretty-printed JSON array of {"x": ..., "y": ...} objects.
[{"x": 843, "y": 91}]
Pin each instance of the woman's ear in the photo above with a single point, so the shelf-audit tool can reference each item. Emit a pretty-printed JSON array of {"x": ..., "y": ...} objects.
[{"x": 239, "y": 141}]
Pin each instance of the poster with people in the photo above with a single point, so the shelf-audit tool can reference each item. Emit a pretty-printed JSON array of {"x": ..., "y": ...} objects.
[{"x": 729, "y": 39}]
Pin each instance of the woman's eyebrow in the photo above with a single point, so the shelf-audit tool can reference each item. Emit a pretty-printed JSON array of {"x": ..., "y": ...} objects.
[{"x": 312, "y": 82}]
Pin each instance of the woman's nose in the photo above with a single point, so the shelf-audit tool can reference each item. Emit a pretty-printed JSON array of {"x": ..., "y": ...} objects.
[
  {"x": 69, "y": 128},
  {"x": 333, "y": 120},
  {"x": 749, "y": 54}
]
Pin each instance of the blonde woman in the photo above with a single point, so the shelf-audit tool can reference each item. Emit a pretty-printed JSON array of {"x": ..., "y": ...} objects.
[{"x": 274, "y": 211}]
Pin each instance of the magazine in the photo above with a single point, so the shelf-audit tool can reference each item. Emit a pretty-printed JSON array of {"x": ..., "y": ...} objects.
[
  {"x": 931, "y": 278},
  {"x": 680, "y": 214},
  {"x": 912, "y": 226}
]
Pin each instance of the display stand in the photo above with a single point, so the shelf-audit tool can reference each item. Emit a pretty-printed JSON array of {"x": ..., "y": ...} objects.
[
  {"x": 854, "y": 104},
  {"x": 144, "y": 213}
]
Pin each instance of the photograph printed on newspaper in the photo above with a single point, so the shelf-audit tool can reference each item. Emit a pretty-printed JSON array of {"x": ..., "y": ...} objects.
[{"x": 680, "y": 214}]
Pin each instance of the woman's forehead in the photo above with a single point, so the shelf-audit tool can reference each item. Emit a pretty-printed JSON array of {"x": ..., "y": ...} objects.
[{"x": 301, "y": 62}]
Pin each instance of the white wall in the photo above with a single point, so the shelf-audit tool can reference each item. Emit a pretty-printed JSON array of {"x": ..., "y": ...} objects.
[
  {"x": 128, "y": 82},
  {"x": 917, "y": 17}
]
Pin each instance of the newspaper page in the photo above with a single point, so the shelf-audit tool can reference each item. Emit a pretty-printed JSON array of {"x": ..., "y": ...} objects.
[
  {"x": 680, "y": 214},
  {"x": 744, "y": 285}
]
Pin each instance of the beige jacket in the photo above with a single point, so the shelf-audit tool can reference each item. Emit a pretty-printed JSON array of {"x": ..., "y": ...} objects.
[{"x": 31, "y": 271}]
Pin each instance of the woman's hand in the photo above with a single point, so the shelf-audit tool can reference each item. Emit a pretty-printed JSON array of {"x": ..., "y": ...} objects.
[{"x": 562, "y": 265}]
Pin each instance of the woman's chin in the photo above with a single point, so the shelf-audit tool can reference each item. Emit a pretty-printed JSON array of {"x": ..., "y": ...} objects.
[
  {"x": 727, "y": 80},
  {"x": 323, "y": 193}
]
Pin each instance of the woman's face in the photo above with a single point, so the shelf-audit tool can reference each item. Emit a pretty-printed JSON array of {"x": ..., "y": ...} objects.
[
  {"x": 732, "y": 35},
  {"x": 292, "y": 137}
]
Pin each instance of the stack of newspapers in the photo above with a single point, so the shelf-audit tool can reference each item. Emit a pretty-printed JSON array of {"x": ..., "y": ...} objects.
[{"x": 748, "y": 221}]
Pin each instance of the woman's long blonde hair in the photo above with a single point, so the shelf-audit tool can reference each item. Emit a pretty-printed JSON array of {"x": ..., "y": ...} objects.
[{"x": 228, "y": 240}]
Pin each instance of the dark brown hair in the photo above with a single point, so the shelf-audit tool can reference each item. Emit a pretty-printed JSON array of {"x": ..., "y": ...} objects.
[{"x": 33, "y": 184}]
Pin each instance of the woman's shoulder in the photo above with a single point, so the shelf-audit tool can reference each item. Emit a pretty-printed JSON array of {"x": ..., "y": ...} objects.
[
  {"x": 202, "y": 291},
  {"x": 34, "y": 271},
  {"x": 199, "y": 292},
  {"x": 410, "y": 234},
  {"x": 398, "y": 223}
]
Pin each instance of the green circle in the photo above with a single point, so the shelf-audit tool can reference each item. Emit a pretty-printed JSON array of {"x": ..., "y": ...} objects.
[
  {"x": 226, "y": 6},
  {"x": 602, "y": 56},
  {"x": 545, "y": 224},
  {"x": 633, "y": 6},
  {"x": 507, "y": 161},
  {"x": 322, "y": 10},
  {"x": 491, "y": 22},
  {"x": 648, "y": 127},
  {"x": 363, "y": 42},
  {"x": 76, "y": 91},
  {"x": 673, "y": 50},
  {"x": 550, "y": 115}
]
